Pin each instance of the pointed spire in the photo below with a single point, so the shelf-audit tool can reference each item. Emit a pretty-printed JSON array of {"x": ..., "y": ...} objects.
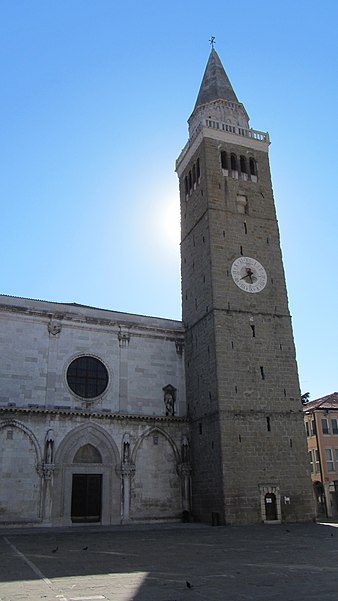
[{"x": 215, "y": 83}]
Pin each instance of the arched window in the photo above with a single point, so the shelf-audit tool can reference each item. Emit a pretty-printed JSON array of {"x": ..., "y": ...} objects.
[
  {"x": 234, "y": 166},
  {"x": 253, "y": 169},
  {"x": 224, "y": 159},
  {"x": 198, "y": 171},
  {"x": 243, "y": 164},
  {"x": 186, "y": 187},
  {"x": 87, "y": 454},
  {"x": 234, "y": 162}
]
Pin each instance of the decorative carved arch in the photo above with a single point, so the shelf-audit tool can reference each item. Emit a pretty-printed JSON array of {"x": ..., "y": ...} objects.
[
  {"x": 149, "y": 432},
  {"x": 13, "y": 423},
  {"x": 87, "y": 434}
]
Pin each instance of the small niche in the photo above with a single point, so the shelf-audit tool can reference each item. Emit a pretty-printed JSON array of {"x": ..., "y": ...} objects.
[{"x": 253, "y": 330}]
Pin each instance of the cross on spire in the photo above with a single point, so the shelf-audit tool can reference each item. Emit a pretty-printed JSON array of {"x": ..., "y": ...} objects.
[{"x": 212, "y": 41}]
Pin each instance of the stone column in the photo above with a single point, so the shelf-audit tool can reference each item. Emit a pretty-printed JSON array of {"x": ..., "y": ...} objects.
[
  {"x": 46, "y": 473},
  {"x": 184, "y": 470},
  {"x": 127, "y": 472}
]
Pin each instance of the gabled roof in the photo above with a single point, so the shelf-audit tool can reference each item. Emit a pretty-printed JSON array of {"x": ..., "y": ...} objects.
[
  {"x": 329, "y": 401},
  {"x": 215, "y": 83}
]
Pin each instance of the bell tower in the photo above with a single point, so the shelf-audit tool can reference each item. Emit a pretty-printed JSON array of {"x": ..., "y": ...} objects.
[{"x": 248, "y": 444}]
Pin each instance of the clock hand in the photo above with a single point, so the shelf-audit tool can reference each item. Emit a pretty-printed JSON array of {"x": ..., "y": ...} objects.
[{"x": 249, "y": 274}]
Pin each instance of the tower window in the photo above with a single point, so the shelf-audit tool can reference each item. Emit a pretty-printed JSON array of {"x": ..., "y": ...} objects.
[
  {"x": 244, "y": 172},
  {"x": 190, "y": 182},
  {"x": 224, "y": 160},
  {"x": 194, "y": 176},
  {"x": 268, "y": 424},
  {"x": 198, "y": 171},
  {"x": 253, "y": 169},
  {"x": 262, "y": 372},
  {"x": 253, "y": 330},
  {"x": 186, "y": 186},
  {"x": 233, "y": 161}
]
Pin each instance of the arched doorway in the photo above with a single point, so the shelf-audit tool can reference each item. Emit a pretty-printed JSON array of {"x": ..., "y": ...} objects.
[
  {"x": 86, "y": 487},
  {"x": 270, "y": 506}
]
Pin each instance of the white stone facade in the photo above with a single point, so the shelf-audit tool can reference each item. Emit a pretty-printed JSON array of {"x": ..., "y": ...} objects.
[{"x": 135, "y": 443}]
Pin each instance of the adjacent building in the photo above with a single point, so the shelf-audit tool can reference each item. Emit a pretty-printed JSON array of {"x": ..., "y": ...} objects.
[
  {"x": 110, "y": 417},
  {"x": 321, "y": 426}
]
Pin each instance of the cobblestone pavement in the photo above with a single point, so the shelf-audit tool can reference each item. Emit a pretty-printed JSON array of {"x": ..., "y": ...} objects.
[{"x": 154, "y": 563}]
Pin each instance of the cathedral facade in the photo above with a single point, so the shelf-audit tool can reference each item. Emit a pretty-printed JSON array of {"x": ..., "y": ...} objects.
[{"x": 112, "y": 418}]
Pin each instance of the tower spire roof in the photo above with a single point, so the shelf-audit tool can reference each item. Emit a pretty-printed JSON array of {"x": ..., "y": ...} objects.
[{"x": 215, "y": 83}]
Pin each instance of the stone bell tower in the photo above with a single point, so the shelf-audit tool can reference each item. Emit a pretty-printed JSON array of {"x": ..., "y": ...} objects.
[{"x": 248, "y": 444}]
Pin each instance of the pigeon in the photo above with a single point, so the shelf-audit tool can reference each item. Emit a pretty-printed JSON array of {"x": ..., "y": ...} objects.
[
  {"x": 55, "y": 550},
  {"x": 188, "y": 584}
]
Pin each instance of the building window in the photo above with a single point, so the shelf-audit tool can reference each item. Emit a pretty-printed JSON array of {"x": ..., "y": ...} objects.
[
  {"x": 311, "y": 461},
  {"x": 186, "y": 186},
  {"x": 194, "y": 176},
  {"x": 334, "y": 424},
  {"x": 325, "y": 426},
  {"x": 87, "y": 377},
  {"x": 317, "y": 462},
  {"x": 336, "y": 457},
  {"x": 224, "y": 160},
  {"x": 307, "y": 429},
  {"x": 244, "y": 172},
  {"x": 329, "y": 460},
  {"x": 312, "y": 427},
  {"x": 234, "y": 162},
  {"x": 190, "y": 182},
  {"x": 198, "y": 171}
]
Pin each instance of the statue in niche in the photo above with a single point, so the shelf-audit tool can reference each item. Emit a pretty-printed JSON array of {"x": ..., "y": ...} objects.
[
  {"x": 185, "y": 450},
  {"x": 49, "y": 446},
  {"x": 126, "y": 448},
  {"x": 169, "y": 399}
]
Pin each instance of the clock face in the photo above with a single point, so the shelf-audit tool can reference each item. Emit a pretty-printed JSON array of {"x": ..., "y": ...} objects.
[{"x": 248, "y": 274}]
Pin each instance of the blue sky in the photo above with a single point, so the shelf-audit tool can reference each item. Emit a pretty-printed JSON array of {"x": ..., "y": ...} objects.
[{"x": 95, "y": 98}]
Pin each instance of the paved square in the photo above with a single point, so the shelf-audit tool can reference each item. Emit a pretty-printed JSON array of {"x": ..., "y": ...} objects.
[{"x": 154, "y": 563}]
